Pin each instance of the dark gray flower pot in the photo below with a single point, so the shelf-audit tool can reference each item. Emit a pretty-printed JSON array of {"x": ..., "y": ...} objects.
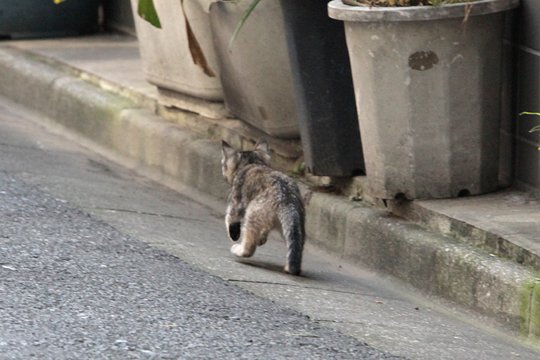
[
  {"x": 323, "y": 87},
  {"x": 427, "y": 84}
]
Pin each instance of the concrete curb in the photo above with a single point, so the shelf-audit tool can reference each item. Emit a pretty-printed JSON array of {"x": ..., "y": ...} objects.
[
  {"x": 129, "y": 133},
  {"x": 427, "y": 260}
]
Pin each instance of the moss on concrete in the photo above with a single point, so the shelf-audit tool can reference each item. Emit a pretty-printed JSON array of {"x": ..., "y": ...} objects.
[{"x": 530, "y": 309}]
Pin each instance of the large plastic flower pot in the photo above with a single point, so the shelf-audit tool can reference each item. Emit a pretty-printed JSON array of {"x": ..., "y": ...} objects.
[
  {"x": 428, "y": 87},
  {"x": 255, "y": 71},
  {"x": 165, "y": 53}
]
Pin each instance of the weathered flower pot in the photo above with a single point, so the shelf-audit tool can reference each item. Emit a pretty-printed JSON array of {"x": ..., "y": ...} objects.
[
  {"x": 255, "y": 72},
  {"x": 427, "y": 85},
  {"x": 323, "y": 87},
  {"x": 39, "y": 18},
  {"x": 165, "y": 52}
]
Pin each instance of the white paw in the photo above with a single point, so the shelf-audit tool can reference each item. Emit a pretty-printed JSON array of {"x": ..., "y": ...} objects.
[{"x": 238, "y": 250}]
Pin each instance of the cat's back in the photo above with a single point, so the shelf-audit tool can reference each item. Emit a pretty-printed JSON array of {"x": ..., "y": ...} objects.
[
  {"x": 253, "y": 179},
  {"x": 263, "y": 182}
]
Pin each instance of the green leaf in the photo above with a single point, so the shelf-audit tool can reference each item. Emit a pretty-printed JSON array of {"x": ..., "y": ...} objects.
[
  {"x": 536, "y": 128},
  {"x": 240, "y": 24},
  {"x": 147, "y": 11},
  {"x": 529, "y": 113}
]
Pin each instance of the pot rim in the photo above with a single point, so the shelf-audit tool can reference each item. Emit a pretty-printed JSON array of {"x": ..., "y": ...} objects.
[{"x": 339, "y": 11}]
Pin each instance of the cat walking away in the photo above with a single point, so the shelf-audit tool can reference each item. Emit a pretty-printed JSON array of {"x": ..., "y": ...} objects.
[{"x": 261, "y": 200}]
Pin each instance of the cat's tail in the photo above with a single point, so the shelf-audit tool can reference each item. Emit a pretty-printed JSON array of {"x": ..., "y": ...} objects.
[{"x": 292, "y": 223}]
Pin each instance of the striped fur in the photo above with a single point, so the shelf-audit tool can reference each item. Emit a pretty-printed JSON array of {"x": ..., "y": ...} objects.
[{"x": 262, "y": 200}]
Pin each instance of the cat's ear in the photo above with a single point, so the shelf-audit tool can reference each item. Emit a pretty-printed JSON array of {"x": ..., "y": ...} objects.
[
  {"x": 263, "y": 150},
  {"x": 227, "y": 151}
]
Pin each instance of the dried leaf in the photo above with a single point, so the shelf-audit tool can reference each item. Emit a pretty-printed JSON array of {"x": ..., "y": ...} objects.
[{"x": 195, "y": 49}]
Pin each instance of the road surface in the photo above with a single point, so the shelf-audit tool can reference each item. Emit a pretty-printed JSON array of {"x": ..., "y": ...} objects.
[{"x": 98, "y": 262}]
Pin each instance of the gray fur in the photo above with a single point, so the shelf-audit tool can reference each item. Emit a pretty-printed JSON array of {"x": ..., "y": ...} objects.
[{"x": 261, "y": 200}]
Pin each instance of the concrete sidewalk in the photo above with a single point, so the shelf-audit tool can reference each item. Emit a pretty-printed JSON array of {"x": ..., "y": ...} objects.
[{"x": 481, "y": 252}]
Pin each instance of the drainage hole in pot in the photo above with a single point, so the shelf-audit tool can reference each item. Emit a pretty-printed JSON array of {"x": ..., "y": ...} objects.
[
  {"x": 400, "y": 197},
  {"x": 463, "y": 193}
]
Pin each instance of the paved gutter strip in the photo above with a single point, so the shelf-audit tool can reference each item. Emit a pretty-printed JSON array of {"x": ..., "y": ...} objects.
[
  {"x": 130, "y": 133},
  {"x": 429, "y": 261},
  {"x": 142, "y": 100}
]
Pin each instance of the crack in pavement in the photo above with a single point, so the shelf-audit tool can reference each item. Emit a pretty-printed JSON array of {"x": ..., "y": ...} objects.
[
  {"x": 138, "y": 212},
  {"x": 18, "y": 146},
  {"x": 309, "y": 287},
  {"x": 339, "y": 321}
]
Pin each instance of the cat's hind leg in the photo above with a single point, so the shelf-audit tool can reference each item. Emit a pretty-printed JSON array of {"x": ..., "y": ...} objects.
[
  {"x": 234, "y": 231},
  {"x": 255, "y": 228},
  {"x": 247, "y": 245},
  {"x": 233, "y": 222}
]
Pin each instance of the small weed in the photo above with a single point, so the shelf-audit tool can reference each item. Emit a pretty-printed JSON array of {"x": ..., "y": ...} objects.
[
  {"x": 299, "y": 170},
  {"x": 534, "y": 128}
]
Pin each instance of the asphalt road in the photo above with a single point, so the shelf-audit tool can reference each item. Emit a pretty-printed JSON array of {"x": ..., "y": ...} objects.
[
  {"x": 74, "y": 287},
  {"x": 97, "y": 262}
]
